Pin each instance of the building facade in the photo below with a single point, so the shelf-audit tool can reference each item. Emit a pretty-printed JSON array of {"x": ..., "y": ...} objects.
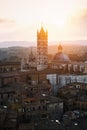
[{"x": 68, "y": 71}]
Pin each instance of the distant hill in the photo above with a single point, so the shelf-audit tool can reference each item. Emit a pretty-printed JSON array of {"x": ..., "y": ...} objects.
[
  {"x": 6, "y": 44},
  {"x": 68, "y": 49},
  {"x": 21, "y": 49},
  {"x": 76, "y": 42}
]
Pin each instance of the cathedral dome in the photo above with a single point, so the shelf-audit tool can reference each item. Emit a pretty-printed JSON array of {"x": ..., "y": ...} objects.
[{"x": 60, "y": 56}]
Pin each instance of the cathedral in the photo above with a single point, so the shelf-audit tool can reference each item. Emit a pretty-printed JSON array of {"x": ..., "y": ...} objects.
[
  {"x": 36, "y": 69},
  {"x": 60, "y": 60},
  {"x": 42, "y": 49},
  {"x": 68, "y": 71}
]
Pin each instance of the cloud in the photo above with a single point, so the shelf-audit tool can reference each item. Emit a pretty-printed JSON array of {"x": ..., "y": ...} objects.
[
  {"x": 77, "y": 24},
  {"x": 7, "y": 25},
  {"x": 82, "y": 23},
  {"x": 6, "y": 21}
]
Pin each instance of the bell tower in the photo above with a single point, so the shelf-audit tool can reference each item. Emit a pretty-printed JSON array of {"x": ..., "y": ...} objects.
[{"x": 42, "y": 49}]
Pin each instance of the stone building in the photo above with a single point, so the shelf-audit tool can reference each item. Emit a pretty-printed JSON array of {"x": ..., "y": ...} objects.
[
  {"x": 27, "y": 95},
  {"x": 32, "y": 61},
  {"x": 42, "y": 49},
  {"x": 30, "y": 99},
  {"x": 74, "y": 96},
  {"x": 9, "y": 72},
  {"x": 63, "y": 62},
  {"x": 29, "y": 63},
  {"x": 68, "y": 71}
]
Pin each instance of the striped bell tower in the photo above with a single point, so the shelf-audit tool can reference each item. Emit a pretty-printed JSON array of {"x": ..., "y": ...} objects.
[{"x": 42, "y": 49}]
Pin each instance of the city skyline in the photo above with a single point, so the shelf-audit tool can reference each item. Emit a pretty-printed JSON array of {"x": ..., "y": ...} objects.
[{"x": 20, "y": 20}]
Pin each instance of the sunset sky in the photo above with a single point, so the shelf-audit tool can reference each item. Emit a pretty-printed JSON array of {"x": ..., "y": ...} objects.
[{"x": 64, "y": 19}]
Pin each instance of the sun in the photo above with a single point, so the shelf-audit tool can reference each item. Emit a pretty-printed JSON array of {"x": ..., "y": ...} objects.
[{"x": 58, "y": 19}]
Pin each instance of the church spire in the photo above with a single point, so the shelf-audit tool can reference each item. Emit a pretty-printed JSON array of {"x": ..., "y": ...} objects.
[
  {"x": 60, "y": 48},
  {"x": 42, "y": 30}
]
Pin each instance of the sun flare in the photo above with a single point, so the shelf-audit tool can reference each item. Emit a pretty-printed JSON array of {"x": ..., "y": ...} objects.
[{"x": 65, "y": 19}]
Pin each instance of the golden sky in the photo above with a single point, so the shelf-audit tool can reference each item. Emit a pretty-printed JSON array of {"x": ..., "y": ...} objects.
[{"x": 64, "y": 19}]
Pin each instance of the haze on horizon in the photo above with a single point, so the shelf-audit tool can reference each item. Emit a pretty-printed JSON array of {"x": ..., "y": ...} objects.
[{"x": 64, "y": 20}]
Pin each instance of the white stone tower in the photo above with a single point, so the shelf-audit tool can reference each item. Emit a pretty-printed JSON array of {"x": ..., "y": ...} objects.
[{"x": 42, "y": 49}]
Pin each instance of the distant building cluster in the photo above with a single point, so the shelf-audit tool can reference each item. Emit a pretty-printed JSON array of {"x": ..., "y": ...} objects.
[
  {"x": 59, "y": 71},
  {"x": 26, "y": 99},
  {"x": 35, "y": 93},
  {"x": 74, "y": 96},
  {"x": 59, "y": 61}
]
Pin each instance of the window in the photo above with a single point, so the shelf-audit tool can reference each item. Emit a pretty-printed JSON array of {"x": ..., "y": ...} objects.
[
  {"x": 39, "y": 107},
  {"x": 33, "y": 108}
]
